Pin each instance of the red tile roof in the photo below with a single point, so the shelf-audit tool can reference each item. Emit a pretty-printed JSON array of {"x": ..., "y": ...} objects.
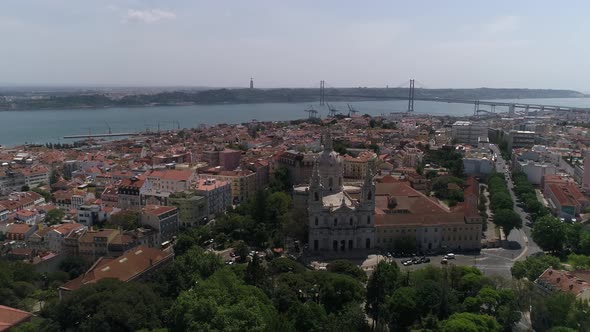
[
  {"x": 10, "y": 317},
  {"x": 563, "y": 281},
  {"x": 18, "y": 229},
  {"x": 127, "y": 267},
  {"x": 157, "y": 209}
]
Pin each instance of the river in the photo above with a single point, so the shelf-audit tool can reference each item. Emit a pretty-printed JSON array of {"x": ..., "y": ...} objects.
[{"x": 41, "y": 126}]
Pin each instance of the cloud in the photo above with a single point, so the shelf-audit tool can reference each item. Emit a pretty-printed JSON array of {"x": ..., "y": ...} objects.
[
  {"x": 149, "y": 15},
  {"x": 503, "y": 24}
]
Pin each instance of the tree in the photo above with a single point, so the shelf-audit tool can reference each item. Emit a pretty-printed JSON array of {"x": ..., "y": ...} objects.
[
  {"x": 549, "y": 233},
  {"x": 346, "y": 267},
  {"x": 280, "y": 180},
  {"x": 381, "y": 284},
  {"x": 74, "y": 266},
  {"x": 43, "y": 193},
  {"x": 25, "y": 188},
  {"x": 308, "y": 316},
  {"x": 508, "y": 220},
  {"x": 584, "y": 242},
  {"x": 222, "y": 303},
  {"x": 110, "y": 305},
  {"x": 127, "y": 219},
  {"x": 533, "y": 266},
  {"x": 185, "y": 271},
  {"x": 402, "y": 307},
  {"x": 468, "y": 322},
  {"x": 351, "y": 318},
  {"x": 256, "y": 274},
  {"x": 55, "y": 216}
]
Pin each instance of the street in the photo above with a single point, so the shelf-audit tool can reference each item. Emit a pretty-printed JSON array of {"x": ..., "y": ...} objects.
[{"x": 520, "y": 243}]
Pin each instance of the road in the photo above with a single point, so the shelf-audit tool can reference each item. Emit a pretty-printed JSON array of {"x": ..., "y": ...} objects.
[{"x": 520, "y": 242}]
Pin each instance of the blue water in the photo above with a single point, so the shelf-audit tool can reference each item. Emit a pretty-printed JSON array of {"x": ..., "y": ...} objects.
[{"x": 43, "y": 126}]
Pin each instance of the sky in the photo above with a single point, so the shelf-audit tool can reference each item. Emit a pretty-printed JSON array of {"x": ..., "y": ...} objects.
[{"x": 440, "y": 44}]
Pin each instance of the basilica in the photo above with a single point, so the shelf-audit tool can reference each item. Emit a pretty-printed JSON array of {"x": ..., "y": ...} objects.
[
  {"x": 389, "y": 214},
  {"x": 340, "y": 217}
]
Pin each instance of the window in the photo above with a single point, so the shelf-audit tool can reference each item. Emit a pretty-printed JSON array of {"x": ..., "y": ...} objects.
[
  {"x": 316, "y": 196},
  {"x": 315, "y": 244},
  {"x": 369, "y": 196},
  {"x": 368, "y": 243},
  {"x": 350, "y": 221},
  {"x": 368, "y": 220},
  {"x": 316, "y": 221},
  {"x": 335, "y": 221},
  {"x": 330, "y": 182}
]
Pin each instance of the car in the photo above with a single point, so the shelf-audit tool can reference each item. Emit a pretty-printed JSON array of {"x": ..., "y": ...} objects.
[
  {"x": 232, "y": 254},
  {"x": 425, "y": 260},
  {"x": 450, "y": 256},
  {"x": 444, "y": 261},
  {"x": 407, "y": 263}
]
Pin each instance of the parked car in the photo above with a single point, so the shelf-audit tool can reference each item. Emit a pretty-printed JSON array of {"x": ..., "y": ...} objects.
[
  {"x": 444, "y": 261},
  {"x": 450, "y": 256},
  {"x": 407, "y": 263},
  {"x": 425, "y": 260}
]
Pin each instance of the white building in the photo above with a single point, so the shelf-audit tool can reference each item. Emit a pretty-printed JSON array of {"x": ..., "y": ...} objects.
[
  {"x": 535, "y": 170},
  {"x": 478, "y": 162},
  {"x": 467, "y": 132},
  {"x": 586, "y": 175},
  {"x": 341, "y": 219}
]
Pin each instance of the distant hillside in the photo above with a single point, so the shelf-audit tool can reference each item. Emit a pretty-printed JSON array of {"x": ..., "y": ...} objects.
[{"x": 238, "y": 96}]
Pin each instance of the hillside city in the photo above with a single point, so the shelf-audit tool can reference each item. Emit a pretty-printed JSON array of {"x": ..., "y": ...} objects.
[{"x": 404, "y": 222}]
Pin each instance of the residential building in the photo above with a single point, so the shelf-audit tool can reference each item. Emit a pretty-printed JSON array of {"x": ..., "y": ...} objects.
[
  {"x": 89, "y": 215},
  {"x": 211, "y": 157},
  {"x": 478, "y": 162},
  {"x": 95, "y": 243},
  {"x": 521, "y": 139},
  {"x": 467, "y": 132},
  {"x": 134, "y": 265},
  {"x": 36, "y": 176},
  {"x": 586, "y": 174},
  {"x": 556, "y": 281},
  {"x": 128, "y": 194},
  {"x": 192, "y": 208},
  {"x": 163, "y": 219},
  {"x": 216, "y": 192},
  {"x": 298, "y": 164},
  {"x": 56, "y": 235},
  {"x": 243, "y": 182},
  {"x": 19, "y": 232},
  {"x": 565, "y": 199},
  {"x": 230, "y": 159},
  {"x": 535, "y": 171},
  {"x": 11, "y": 181},
  {"x": 357, "y": 167}
]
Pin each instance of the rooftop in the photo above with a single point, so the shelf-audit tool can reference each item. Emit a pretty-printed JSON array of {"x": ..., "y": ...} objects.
[
  {"x": 10, "y": 317},
  {"x": 125, "y": 268}
]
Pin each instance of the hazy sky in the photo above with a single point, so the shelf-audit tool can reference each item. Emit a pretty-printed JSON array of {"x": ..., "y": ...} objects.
[{"x": 535, "y": 44}]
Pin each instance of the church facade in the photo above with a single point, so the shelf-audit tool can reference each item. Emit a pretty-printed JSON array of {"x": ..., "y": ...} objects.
[{"x": 340, "y": 218}]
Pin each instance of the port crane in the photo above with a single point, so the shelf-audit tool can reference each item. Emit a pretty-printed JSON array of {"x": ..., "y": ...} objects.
[
  {"x": 313, "y": 114},
  {"x": 351, "y": 111},
  {"x": 332, "y": 111}
]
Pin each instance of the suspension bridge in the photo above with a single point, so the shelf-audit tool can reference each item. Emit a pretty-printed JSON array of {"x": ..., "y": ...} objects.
[{"x": 512, "y": 107}]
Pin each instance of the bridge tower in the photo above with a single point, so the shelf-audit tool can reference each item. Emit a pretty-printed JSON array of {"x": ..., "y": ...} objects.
[
  {"x": 322, "y": 93},
  {"x": 511, "y": 110},
  {"x": 411, "y": 97}
]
